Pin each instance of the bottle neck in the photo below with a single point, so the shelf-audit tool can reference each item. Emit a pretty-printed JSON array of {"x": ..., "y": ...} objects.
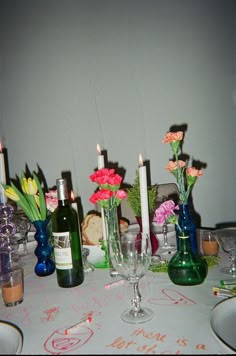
[
  {"x": 63, "y": 202},
  {"x": 184, "y": 211},
  {"x": 184, "y": 243},
  {"x": 62, "y": 192}
]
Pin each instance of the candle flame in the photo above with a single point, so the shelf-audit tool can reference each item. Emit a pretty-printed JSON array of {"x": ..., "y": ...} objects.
[
  {"x": 98, "y": 149},
  {"x": 72, "y": 196},
  {"x": 140, "y": 160}
]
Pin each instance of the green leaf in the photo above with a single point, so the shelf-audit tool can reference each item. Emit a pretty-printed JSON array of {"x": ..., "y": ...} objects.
[
  {"x": 23, "y": 203},
  {"x": 42, "y": 202}
]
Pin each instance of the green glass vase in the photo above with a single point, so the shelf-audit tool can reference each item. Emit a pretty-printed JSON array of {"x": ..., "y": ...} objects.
[{"x": 185, "y": 267}]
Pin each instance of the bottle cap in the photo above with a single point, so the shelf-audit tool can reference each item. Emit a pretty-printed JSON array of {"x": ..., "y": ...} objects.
[{"x": 62, "y": 191}]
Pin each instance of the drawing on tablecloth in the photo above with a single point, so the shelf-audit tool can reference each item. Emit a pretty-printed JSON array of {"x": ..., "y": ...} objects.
[
  {"x": 59, "y": 343},
  {"x": 50, "y": 313},
  {"x": 171, "y": 297}
]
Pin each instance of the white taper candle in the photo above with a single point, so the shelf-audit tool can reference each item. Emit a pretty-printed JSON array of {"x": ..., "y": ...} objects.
[
  {"x": 144, "y": 196},
  {"x": 100, "y": 166}
]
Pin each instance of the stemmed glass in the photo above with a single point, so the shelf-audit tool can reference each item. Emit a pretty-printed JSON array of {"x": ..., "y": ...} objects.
[
  {"x": 131, "y": 257},
  {"x": 166, "y": 246},
  {"x": 227, "y": 240}
]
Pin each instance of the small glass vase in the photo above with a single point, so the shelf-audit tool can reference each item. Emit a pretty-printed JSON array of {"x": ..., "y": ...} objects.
[
  {"x": 186, "y": 268},
  {"x": 188, "y": 227},
  {"x": 112, "y": 233},
  {"x": 45, "y": 265},
  {"x": 153, "y": 237}
]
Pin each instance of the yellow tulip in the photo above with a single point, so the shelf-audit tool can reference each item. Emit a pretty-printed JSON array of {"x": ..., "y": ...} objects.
[
  {"x": 29, "y": 186},
  {"x": 36, "y": 197},
  {"x": 11, "y": 194}
]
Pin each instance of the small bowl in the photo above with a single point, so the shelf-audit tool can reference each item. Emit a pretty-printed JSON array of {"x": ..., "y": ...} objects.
[
  {"x": 96, "y": 254},
  {"x": 11, "y": 338}
]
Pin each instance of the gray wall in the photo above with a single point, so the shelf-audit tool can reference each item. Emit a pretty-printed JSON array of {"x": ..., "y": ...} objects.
[{"x": 121, "y": 73}]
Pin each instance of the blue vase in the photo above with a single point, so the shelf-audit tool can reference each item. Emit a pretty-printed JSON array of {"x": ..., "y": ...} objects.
[
  {"x": 45, "y": 265},
  {"x": 188, "y": 227}
]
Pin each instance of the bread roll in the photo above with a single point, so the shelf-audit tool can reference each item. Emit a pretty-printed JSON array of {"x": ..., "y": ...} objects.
[{"x": 91, "y": 229}]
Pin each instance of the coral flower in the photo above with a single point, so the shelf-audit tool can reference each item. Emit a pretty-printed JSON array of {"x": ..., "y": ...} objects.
[{"x": 186, "y": 176}]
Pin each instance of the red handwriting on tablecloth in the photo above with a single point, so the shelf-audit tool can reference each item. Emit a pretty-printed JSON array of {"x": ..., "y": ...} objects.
[
  {"x": 58, "y": 343},
  {"x": 171, "y": 298},
  {"x": 140, "y": 342},
  {"x": 50, "y": 314}
]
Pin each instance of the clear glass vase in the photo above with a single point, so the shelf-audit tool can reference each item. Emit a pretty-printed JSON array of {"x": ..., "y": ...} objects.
[
  {"x": 112, "y": 233},
  {"x": 188, "y": 227},
  {"x": 186, "y": 268}
]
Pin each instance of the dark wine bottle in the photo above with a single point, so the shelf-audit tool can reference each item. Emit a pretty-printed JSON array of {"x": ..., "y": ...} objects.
[{"x": 66, "y": 240}]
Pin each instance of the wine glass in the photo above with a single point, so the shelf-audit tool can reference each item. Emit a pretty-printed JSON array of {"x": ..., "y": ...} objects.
[
  {"x": 88, "y": 267},
  {"x": 131, "y": 257},
  {"x": 166, "y": 246},
  {"x": 226, "y": 238}
]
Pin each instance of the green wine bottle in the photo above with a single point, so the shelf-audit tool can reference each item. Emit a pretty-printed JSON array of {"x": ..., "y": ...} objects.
[{"x": 66, "y": 240}]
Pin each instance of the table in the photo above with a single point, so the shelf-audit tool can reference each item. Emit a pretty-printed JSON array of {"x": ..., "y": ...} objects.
[{"x": 180, "y": 323}]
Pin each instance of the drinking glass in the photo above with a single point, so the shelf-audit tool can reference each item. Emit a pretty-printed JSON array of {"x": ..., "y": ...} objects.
[
  {"x": 131, "y": 257},
  {"x": 166, "y": 246},
  {"x": 227, "y": 240},
  {"x": 210, "y": 245}
]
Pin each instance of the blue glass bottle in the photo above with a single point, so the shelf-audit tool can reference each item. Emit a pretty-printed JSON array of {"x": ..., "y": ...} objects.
[{"x": 188, "y": 227}]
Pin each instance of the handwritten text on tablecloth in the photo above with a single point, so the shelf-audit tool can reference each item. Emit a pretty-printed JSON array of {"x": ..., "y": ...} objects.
[{"x": 139, "y": 341}]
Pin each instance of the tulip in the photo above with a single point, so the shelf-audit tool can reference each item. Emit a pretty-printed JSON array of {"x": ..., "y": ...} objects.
[
  {"x": 11, "y": 194},
  {"x": 31, "y": 200},
  {"x": 29, "y": 186}
]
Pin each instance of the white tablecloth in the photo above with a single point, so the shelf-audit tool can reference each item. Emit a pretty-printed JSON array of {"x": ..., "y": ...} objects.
[{"x": 180, "y": 323}]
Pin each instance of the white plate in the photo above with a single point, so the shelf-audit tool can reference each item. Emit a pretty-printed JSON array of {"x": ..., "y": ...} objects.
[
  {"x": 223, "y": 322},
  {"x": 11, "y": 339},
  {"x": 96, "y": 254}
]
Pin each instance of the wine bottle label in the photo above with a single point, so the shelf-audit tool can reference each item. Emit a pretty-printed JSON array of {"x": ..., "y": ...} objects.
[{"x": 62, "y": 250}]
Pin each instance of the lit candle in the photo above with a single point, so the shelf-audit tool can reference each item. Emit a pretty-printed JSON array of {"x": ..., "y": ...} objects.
[
  {"x": 100, "y": 166},
  {"x": 100, "y": 158},
  {"x": 144, "y": 196},
  {"x": 2, "y": 176}
]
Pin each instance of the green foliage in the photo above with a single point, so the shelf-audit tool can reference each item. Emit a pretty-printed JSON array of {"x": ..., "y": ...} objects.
[{"x": 133, "y": 197}]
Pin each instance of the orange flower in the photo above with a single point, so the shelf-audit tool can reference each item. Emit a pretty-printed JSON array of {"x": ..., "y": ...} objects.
[
  {"x": 185, "y": 176},
  {"x": 193, "y": 172},
  {"x": 173, "y": 136},
  {"x": 172, "y": 165}
]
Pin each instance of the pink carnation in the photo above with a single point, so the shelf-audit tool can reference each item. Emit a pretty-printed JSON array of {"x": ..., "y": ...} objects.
[
  {"x": 165, "y": 211},
  {"x": 51, "y": 200},
  {"x": 102, "y": 194}
]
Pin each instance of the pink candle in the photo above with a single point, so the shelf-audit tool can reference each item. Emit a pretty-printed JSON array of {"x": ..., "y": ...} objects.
[{"x": 144, "y": 196}]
